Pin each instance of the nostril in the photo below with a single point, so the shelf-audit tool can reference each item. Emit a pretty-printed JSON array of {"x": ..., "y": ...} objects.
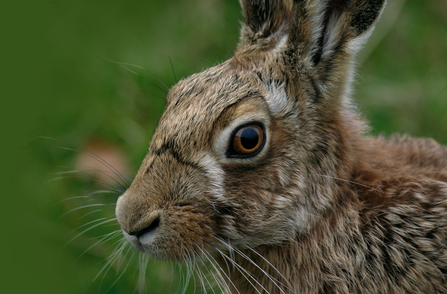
[{"x": 152, "y": 227}]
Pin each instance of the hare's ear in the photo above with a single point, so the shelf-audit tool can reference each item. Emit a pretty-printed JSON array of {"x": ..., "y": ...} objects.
[
  {"x": 264, "y": 18},
  {"x": 320, "y": 35},
  {"x": 315, "y": 27},
  {"x": 325, "y": 35},
  {"x": 321, "y": 28}
]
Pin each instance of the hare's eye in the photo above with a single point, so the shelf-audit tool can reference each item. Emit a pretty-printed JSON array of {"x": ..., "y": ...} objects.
[{"x": 247, "y": 141}]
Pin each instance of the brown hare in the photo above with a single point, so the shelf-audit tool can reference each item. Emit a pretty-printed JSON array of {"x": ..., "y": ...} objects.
[{"x": 262, "y": 167}]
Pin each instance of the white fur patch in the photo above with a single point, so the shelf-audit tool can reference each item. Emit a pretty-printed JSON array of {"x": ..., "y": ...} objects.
[
  {"x": 277, "y": 100},
  {"x": 215, "y": 174},
  {"x": 303, "y": 219},
  {"x": 357, "y": 43},
  {"x": 282, "y": 44},
  {"x": 332, "y": 36}
]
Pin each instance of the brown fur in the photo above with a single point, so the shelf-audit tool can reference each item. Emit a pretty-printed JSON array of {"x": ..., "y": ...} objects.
[{"x": 323, "y": 208}]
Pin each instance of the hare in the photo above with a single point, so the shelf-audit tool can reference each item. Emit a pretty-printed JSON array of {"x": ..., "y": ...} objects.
[{"x": 262, "y": 166}]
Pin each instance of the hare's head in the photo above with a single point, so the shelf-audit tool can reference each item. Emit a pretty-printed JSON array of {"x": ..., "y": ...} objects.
[{"x": 247, "y": 152}]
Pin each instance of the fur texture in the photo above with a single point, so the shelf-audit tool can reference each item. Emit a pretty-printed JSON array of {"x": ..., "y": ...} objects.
[{"x": 322, "y": 208}]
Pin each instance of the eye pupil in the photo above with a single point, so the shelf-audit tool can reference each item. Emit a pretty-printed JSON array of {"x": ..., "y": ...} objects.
[{"x": 249, "y": 138}]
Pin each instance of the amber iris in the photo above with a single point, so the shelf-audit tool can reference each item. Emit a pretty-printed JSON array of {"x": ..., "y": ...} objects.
[{"x": 248, "y": 140}]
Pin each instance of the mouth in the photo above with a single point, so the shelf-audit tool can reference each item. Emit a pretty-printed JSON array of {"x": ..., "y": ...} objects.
[
  {"x": 139, "y": 242},
  {"x": 170, "y": 232},
  {"x": 144, "y": 239}
]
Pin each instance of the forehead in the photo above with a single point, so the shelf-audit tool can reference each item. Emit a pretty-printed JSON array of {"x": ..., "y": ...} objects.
[{"x": 196, "y": 103}]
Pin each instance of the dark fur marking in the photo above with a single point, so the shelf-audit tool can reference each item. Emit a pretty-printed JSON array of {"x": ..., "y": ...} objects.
[
  {"x": 366, "y": 16},
  {"x": 170, "y": 146},
  {"x": 317, "y": 95},
  {"x": 333, "y": 7},
  {"x": 250, "y": 94},
  {"x": 225, "y": 210},
  {"x": 259, "y": 76},
  {"x": 269, "y": 13}
]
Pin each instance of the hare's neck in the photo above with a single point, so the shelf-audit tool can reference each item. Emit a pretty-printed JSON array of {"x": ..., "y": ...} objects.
[{"x": 309, "y": 264}]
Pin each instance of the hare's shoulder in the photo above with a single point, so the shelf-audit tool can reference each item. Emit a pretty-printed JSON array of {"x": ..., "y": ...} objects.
[
  {"x": 407, "y": 183},
  {"x": 399, "y": 157},
  {"x": 405, "y": 235},
  {"x": 419, "y": 153},
  {"x": 404, "y": 212}
]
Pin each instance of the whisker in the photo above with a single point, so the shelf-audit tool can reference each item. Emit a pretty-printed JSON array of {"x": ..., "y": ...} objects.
[
  {"x": 88, "y": 196},
  {"x": 188, "y": 275},
  {"x": 117, "y": 260},
  {"x": 92, "y": 155},
  {"x": 88, "y": 229},
  {"x": 123, "y": 185},
  {"x": 143, "y": 266},
  {"x": 124, "y": 179},
  {"x": 124, "y": 66},
  {"x": 232, "y": 249},
  {"x": 84, "y": 206},
  {"x": 271, "y": 278},
  {"x": 223, "y": 272},
  {"x": 145, "y": 69},
  {"x": 105, "y": 238},
  {"x": 220, "y": 279},
  {"x": 88, "y": 179},
  {"x": 191, "y": 269},
  {"x": 145, "y": 92},
  {"x": 290, "y": 287},
  {"x": 172, "y": 67},
  {"x": 344, "y": 180},
  {"x": 206, "y": 266},
  {"x": 242, "y": 271},
  {"x": 130, "y": 261},
  {"x": 112, "y": 258},
  {"x": 81, "y": 226},
  {"x": 201, "y": 279},
  {"x": 232, "y": 261},
  {"x": 87, "y": 172},
  {"x": 91, "y": 212}
]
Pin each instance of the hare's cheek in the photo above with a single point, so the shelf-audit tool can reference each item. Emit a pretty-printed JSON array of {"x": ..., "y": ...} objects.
[
  {"x": 182, "y": 234},
  {"x": 214, "y": 174}
]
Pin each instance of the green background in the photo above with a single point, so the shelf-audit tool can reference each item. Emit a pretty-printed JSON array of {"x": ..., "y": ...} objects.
[{"x": 58, "y": 82}]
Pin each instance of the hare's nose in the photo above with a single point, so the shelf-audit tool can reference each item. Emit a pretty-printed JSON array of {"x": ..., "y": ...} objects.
[
  {"x": 148, "y": 229},
  {"x": 136, "y": 218}
]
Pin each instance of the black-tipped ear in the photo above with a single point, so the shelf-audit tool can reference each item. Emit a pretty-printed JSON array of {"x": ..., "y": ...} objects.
[
  {"x": 346, "y": 25},
  {"x": 365, "y": 13},
  {"x": 324, "y": 36},
  {"x": 322, "y": 27},
  {"x": 265, "y": 17}
]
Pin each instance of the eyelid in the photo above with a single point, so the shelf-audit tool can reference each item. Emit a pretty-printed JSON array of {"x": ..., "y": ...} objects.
[{"x": 221, "y": 139}]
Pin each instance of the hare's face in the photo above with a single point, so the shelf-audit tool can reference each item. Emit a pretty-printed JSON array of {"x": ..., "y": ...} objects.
[
  {"x": 217, "y": 166},
  {"x": 247, "y": 152}
]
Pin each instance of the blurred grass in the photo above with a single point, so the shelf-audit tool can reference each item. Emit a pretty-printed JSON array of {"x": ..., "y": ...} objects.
[{"x": 60, "y": 84}]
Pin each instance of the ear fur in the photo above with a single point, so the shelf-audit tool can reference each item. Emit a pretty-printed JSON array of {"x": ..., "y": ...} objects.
[
  {"x": 342, "y": 25},
  {"x": 335, "y": 32},
  {"x": 322, "y": 35},
  {"x": 318, "y": 39},
  {"x": 264, "y": 18},
  {"x": 312, "y": 25}
]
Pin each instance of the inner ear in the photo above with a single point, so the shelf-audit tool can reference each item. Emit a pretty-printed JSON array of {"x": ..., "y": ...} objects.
[
  {"x": 265, "y": 17},
  {"x": 366, "y": 15},
  {"x": 256, "y": 13},
  {"x": 333, "y": 8}
]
